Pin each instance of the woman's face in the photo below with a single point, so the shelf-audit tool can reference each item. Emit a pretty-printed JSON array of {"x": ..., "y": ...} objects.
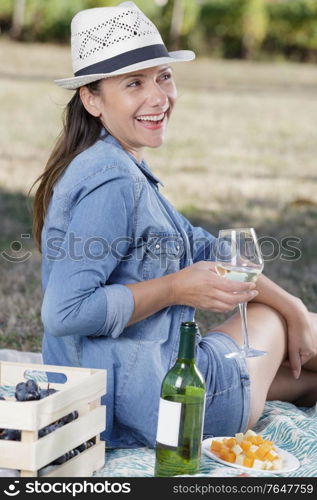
[{"x": 136, "y": 107}]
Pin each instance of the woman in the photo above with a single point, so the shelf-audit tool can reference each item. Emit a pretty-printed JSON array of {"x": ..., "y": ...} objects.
[{"x": 122, "y": 268}]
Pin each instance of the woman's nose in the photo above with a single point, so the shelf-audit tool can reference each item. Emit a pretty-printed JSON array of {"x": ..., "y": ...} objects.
[{"x": 157, "y": 96}]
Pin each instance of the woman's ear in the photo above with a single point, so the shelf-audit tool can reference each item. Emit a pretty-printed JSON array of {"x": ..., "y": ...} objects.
[{"x": 91, "y": 102}]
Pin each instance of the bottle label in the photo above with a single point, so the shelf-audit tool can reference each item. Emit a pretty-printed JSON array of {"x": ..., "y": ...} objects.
[{"x": 168, "y": 423}]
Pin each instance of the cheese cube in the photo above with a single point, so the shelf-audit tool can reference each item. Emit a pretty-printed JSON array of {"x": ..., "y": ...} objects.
[
  {"x": 231, "y": 442},
  {"x": 239, "y": 459},
  {"x": 239, "y": 437},
  {"x": 231, "y": 457},
  {"x": 262, "y": 451},
  {"x": 259, "y": 439},
  {"x": 237, "y": 449},
  {"x": 245, "y": 445},
  {"x": 249, "y": 433},
  {"x": 248, "y": 462},
  {"x": 254, "y": 448},
  {"x": 258, "y": 464},
  {"x": 271, "y": 455},
  {"x": 215, "y": 445},
  {"x": 267, "y": 465}
]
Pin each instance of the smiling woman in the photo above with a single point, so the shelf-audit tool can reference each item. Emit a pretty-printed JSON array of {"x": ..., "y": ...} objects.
[
  {"x": 122, "y": 269},
  {"x": 134, "y": 108}
]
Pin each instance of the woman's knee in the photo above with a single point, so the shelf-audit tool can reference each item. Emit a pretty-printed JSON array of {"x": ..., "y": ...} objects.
[{"x": 267, "y": 313}]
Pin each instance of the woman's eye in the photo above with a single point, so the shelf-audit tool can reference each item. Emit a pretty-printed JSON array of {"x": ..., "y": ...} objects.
[
  {"x": 135, "y": 83},
  {"x": 166, "y": 76}
]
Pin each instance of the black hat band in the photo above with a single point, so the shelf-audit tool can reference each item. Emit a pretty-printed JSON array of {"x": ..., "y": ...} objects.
[{"x": 125, "y": 59}]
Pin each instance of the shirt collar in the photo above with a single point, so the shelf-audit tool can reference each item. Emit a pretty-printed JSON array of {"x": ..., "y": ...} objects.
[{"x": 105, "y": 136}]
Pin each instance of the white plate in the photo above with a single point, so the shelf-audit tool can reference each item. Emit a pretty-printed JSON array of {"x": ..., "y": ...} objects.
[{"x": 290, "y": 462}]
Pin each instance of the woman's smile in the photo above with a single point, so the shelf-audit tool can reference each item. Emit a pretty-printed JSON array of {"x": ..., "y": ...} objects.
[{"x": 153, "y": 121}]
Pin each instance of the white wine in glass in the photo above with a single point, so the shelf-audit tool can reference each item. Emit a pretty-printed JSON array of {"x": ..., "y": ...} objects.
[{"x": 238, "y": 258}]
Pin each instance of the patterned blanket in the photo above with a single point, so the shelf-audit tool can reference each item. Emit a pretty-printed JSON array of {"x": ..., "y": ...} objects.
[{"x": 291, "y": 428}]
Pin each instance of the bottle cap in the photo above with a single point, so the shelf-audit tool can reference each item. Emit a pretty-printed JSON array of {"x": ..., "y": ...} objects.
[{"x": 189, "y": 325}]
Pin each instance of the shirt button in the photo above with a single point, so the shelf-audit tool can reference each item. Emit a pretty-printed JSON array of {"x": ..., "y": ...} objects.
[
  {"x": 157, "y": 246},
  {"x": 177, "y": 247}
]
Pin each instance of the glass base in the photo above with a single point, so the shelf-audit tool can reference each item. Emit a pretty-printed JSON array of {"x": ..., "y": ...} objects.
[{"x": 245, "y": 353}]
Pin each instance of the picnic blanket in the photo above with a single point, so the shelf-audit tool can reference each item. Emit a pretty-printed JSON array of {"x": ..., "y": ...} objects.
[{"x": 290, "y": 427}]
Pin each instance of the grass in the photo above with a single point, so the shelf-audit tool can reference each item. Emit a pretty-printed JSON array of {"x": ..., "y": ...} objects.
[{"x": 240, "y": 151}]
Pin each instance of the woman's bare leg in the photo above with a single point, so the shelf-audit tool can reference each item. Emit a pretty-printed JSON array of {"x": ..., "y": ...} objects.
[
  {"x": 267, "y": 332},
  {"x": 312, "y": 363},
  {"x": 302, "y": 392}
]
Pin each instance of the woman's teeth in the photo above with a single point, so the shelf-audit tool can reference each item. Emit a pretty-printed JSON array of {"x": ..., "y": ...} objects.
[{"x": 153, "y": 118}]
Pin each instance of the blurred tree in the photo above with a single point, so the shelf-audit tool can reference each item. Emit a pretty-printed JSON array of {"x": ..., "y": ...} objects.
[
  {"x": 225, "y": 28},
  {"x": 254, "y": 26},
  {"x": 293, "y": 29},
  {"x": 17, "y": 19},
  {"x": 178, "y": 21},
  {"x": 220, "y": 21}
]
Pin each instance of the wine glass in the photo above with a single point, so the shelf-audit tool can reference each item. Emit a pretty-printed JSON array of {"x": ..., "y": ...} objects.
[{"x": 238, "y": 258}]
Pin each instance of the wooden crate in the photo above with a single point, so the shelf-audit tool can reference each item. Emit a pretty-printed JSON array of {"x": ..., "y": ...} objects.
[{"x": 81, "y": 392}]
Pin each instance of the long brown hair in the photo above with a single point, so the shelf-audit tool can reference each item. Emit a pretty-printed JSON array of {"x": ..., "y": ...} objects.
[{"x": 80, "y": 131}]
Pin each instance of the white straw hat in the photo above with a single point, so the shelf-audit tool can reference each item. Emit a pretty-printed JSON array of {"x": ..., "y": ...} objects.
[{"x": 109, "y": 41}]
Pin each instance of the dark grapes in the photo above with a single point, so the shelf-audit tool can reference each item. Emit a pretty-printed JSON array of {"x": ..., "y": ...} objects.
[
  {"x": 30, "y": 391},
  {"x": 72, "y": 453},
  {"x": 59, "y": 423},
  {"x": 70, "y": 417},
  {"x": 81, "y": 447},
  {"x": 46, "y": 392},
  {"x": 10, "y": 434},
  {"x": 27, "y": 391}
]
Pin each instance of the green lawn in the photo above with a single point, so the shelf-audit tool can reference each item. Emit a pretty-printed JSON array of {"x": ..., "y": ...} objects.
[{"x": 240, "y": 151}]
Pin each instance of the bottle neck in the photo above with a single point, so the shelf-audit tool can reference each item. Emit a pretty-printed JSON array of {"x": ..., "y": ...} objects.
[{"x": 186, "y": 350}]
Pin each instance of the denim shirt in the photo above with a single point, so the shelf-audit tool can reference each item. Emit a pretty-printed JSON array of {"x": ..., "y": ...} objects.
[{"x": 108, "y": 225}]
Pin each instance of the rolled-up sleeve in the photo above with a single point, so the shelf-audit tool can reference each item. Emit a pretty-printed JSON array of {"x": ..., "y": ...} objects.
[
  {"x": 79, "y": 298},
  {"x": 117, "y": 317}
]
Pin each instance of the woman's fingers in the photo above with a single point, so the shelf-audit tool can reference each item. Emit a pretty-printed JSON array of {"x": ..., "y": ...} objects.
[
  {"x": 233, "y": 299},
  {"x": 199, "y": 286},
  {"x": 295, "y": 363},
  {"x": 232, "y": 286}
]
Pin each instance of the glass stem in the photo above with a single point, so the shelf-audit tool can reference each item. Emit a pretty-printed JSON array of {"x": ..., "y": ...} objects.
[{"x": 243, "y": 314}]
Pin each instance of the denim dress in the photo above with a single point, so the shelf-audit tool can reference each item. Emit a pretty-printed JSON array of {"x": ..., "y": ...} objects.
[{"x": 108, "y": 225}]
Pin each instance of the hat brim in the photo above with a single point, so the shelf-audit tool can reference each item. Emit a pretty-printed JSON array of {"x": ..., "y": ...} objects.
[{"x": 75, "y": 82}]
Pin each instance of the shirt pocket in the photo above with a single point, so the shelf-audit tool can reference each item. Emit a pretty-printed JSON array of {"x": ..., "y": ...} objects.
[{"x": 163, "y": 254}]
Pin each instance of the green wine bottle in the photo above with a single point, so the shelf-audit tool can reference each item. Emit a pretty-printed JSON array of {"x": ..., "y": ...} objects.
[{"x": 181, "y": 411}]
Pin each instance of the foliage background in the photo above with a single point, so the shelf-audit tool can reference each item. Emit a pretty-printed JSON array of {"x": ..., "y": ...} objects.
[{"x": 223, "y": 28}]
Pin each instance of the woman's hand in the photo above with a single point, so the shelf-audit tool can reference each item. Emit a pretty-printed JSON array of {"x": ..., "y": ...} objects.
[
  {"x": 302, "y": 343},
  {"x": 199, "y": 286}
]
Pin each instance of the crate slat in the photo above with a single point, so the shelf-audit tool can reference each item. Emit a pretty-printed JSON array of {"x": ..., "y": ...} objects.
[
  {"x": 36, "y": 454},
  {"x": 38, "y": 414},
  {"x": 83, "y": 465},
  {"x": 68, "y": 437},
  {"x": 81, "y": 392},
  {"x": 18, "y": 415},
  {"x": 11, "y": 371}
]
